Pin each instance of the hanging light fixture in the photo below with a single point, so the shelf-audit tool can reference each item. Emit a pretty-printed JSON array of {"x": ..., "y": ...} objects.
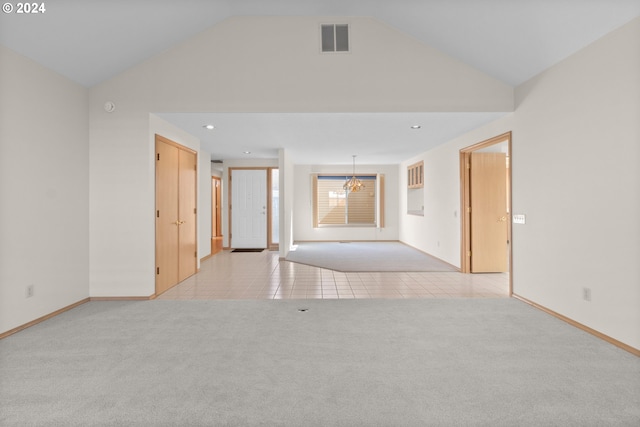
[{"x": 353, "y": 184}]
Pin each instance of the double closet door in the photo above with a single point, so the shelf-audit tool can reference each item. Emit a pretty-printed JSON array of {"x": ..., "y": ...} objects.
[{"x": 176, "y": 215}]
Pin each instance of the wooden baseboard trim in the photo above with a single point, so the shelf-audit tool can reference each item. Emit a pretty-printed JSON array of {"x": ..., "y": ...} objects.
[
  {"x": 619, "y": 344},
  {"x": 123, "y": 298},
  {"x": 42, "y": 319},
  {"x": 205, "y": 258}
]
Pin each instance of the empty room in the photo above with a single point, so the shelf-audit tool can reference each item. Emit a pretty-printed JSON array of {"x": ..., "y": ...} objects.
[{"x": 355, "y": 213}]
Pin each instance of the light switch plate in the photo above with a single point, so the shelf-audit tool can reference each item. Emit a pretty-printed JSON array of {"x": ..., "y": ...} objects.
[{"x": 519, "y": 219}]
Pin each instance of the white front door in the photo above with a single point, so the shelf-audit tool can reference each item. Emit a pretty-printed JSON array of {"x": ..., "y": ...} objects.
[{"x": 248, "y": 208}]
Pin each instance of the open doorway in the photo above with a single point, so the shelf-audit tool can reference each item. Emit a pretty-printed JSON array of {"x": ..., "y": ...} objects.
[{"x": 485, "y": 176}]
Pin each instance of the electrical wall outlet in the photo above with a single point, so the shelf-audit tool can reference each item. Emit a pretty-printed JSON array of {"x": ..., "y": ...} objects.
[
  {"x": 586, "y": 294},
  {"x": 29, "y": 291}
]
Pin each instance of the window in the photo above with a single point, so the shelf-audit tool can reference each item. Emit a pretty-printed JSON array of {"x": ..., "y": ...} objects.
[
  {"x": 415, "y": 192},
  {"x": 335, "y": 37},
  {"x": 335, "y": 206},
  {"x": 415, "y": 175}
]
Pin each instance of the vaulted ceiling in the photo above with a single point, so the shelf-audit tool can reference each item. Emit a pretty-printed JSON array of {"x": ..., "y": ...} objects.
[{"x": 90, "y": 41}]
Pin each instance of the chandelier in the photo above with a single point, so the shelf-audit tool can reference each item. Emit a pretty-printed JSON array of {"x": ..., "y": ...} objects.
[{"x": 353, "y": 184}]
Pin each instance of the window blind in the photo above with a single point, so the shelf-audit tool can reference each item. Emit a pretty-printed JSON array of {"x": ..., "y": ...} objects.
[{"x": 336, "y": 206}]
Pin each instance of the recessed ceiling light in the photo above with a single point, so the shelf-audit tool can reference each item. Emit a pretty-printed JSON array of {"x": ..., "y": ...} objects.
[
  {"x": 416, "y": 127},
  {"x": 210, "y": 127},
  {"x": 247, "y": 152}
]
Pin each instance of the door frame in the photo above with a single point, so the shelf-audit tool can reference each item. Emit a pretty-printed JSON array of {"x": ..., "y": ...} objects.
[{"x": 465, "y": 202}]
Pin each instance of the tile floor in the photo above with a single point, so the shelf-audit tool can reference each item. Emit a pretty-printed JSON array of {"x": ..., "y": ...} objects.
[{"x": 262, "y": 275}]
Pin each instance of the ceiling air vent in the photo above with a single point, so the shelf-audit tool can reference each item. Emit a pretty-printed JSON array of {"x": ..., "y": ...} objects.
[{"x": 335, "y": 37}]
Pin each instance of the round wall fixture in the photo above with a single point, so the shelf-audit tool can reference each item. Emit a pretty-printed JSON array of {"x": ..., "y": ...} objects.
[{"x": 109, "y": 107}]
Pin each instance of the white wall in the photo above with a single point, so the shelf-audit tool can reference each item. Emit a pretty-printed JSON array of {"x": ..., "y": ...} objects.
[
  {"x": 303, "y": 206},
  {"x": 216, "y": 170},
  {"x": 575, "y": 154},
  {"x": 287, "y": 200},
  {"x": 204, "y": 204},
  {"x": 274, "y": 64},
  {"x": 576, "y": 177},
  {"x": 44, "y": 191}
]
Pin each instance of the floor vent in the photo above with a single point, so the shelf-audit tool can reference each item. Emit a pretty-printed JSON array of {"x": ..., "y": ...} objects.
[{"x": 335, "y": 37}]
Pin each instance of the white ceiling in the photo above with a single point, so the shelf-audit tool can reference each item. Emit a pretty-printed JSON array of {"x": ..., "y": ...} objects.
[
  {"x": 331, "y": 138},
  {"x": 90, "y": 41}
]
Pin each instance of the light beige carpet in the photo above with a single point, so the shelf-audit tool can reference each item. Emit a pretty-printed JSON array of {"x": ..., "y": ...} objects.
[
  {"x": 422, "y": 362},
  {"x": 365, "y": 256}
]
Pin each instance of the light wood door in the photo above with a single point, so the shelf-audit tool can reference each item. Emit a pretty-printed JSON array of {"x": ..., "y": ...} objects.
[
  {"x": 489, "y": 227},
  {"x": 187, "y": 215},
  {"x": 176, "y": 250},
  {"x": 167, "y": 248},
  {"x": 249, "y": 208}
]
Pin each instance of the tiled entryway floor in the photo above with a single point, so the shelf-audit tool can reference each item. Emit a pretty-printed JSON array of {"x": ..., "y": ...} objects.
[{"x": 229, "y": 275}]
